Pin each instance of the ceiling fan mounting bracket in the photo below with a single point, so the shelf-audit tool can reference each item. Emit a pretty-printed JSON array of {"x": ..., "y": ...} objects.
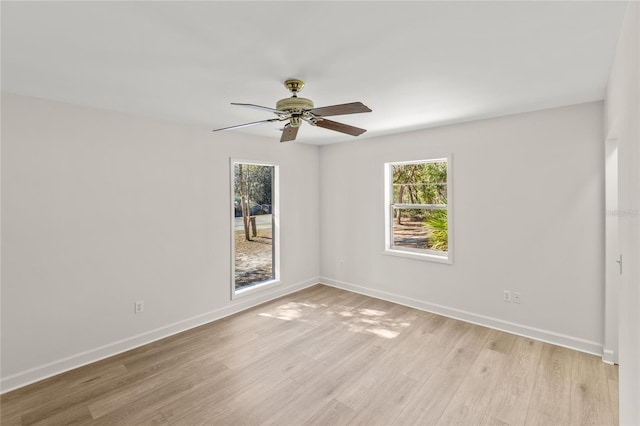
[{"x": 294, "y": 85}]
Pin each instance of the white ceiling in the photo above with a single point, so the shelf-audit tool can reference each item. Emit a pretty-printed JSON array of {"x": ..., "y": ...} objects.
[{"x": 415, "y": 64}]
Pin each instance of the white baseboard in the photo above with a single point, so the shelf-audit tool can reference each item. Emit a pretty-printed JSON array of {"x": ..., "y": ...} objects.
[
  {"x": 558, "y": 339},
  {"x": 36, "y": 374},
  {"x": 609, "y": 356}
]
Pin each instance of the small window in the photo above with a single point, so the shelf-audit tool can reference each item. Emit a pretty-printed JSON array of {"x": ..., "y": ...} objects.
[
  {"x": 254, "y": 230},
  {"x": 418, "y": 209}
]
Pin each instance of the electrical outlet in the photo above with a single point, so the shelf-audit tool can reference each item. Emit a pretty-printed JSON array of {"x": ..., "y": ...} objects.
[
  {"x": 342, "y": 264},
  {"x": 507, "y": 296},
  {"x": 515, "y": 296},
  {"x": 138, "y": 306}
]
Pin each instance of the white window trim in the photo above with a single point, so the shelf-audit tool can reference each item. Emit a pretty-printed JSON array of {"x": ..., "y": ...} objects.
[
  {"x": 275, "y": 216},
  {"x": 410, "y": 253}
]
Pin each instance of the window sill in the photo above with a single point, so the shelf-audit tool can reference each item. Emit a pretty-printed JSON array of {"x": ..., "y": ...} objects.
[
  {"x": 237, "y": 294},
  {"x": 420, "y": 256}
]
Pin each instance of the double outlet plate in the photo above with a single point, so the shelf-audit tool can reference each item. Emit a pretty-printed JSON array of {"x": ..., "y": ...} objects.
[{"x": 511, "y": 296}]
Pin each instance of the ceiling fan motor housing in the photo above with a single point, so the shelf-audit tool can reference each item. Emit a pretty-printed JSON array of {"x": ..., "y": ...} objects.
[{"x": 294, "y": 105}]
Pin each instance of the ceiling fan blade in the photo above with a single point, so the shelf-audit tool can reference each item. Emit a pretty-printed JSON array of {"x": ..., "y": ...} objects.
[
  {"x": 352, "y": 108},
  {"x": 289, "y": 133},
  {"x": 239, "y": 126},
  {"x": 340, "y": 127},
  {"x": 262, "y": 108}
]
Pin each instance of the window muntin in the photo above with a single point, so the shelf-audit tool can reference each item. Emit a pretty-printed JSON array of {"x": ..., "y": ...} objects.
[
  {"x": 418, "y": 209},
  {"x": 254, "y": 229}
]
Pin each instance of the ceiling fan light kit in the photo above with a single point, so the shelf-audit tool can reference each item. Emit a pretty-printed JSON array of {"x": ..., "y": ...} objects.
[{"x": 295, "y": 110}]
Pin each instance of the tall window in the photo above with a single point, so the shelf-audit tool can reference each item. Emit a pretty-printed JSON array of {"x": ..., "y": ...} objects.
[
  {"x": 418, "y": 209},
  {"x": 254, "y": 212}
]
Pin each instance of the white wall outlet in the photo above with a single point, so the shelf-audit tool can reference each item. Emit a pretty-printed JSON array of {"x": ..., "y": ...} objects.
[
  {"x": 138, "y": 306},
  {"x": 515, "y": 296},
  {"x": 507, "y": 296},
  {"x": 341, "y": 264}
]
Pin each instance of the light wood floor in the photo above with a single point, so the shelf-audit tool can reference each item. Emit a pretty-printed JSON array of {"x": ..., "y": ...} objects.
[{"x": 327, "y": 356}]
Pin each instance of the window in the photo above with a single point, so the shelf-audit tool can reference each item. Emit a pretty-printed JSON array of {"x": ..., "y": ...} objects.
[
  {"x": 254, "y": 226},
  {"x": 418, "y": 209}
]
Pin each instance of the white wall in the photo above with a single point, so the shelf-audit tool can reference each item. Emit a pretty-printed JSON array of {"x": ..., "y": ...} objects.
[
  {"x": 100, "y": 209},
  {"x": 528, "y": 191},
  {"x": 623, "y": 124}
]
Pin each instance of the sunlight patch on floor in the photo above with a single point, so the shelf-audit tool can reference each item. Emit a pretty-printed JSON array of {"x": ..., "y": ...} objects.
[
  {"x": 383, "y": 332},
  {"x": 358, "y": 320},
  {"x": 372, "y": 312},
  {"x": 372, "y": 321},
  {"x": 289, "y": 311}
]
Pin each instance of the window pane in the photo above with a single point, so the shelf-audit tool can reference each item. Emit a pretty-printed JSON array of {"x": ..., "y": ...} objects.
[
  {"x": 420, "y": 183},
  {"x": 253, "y": 224},
  {"x": 420, "y": 229}
]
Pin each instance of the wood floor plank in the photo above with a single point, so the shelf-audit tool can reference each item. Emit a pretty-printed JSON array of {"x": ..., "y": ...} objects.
[
  {"x": 433, "y": 350},
  {"x": 470, "y": 401},
  {"x": 551, "y": 396},
  {"x": 279, "y": 337},
  {"x": 512, "y": 395},
  {"x": 11, "y": 421},
  {"x": 255, "y": 407},
  {"x": 387, "y": 365},
  {"x": 97, "y": 389},
  {"x": 333, "y": 413},
  {"x": 612, "y": 371},
  {"x": 73, "y": 399},
  {"x": 328, "y": 356},
  {"x": 136, "y": 413},
  {"x": 588, "y": 380},
  {"x": 612, "y": 379},
  {"x": 466, "y": 348},
  {"x": 75, "y": 384},
  {"x": 614, "y": 398},
  {"x": 501, "y": 342},
  {"x": 308, "y": 403},
  {"x": 76, "y": 415},
  {"x": 426, "y": 405},
  {"x": 326, "y": 377},
  {"x": 487, "y": 420},
  {"x": 384, "y": 401},
  {"x": 332, "y": 374},
  {"x": 155, "y": 390},
  {"x": 212, "y": 396}
]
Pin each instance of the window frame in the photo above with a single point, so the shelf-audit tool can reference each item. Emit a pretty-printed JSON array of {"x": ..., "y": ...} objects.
[
  {"x": 275, "y": 230},
  {"x": 389, "y": 205}
]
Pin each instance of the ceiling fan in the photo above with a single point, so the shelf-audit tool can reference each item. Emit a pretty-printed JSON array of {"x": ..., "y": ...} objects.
[{"x": 295, "y": 110}]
